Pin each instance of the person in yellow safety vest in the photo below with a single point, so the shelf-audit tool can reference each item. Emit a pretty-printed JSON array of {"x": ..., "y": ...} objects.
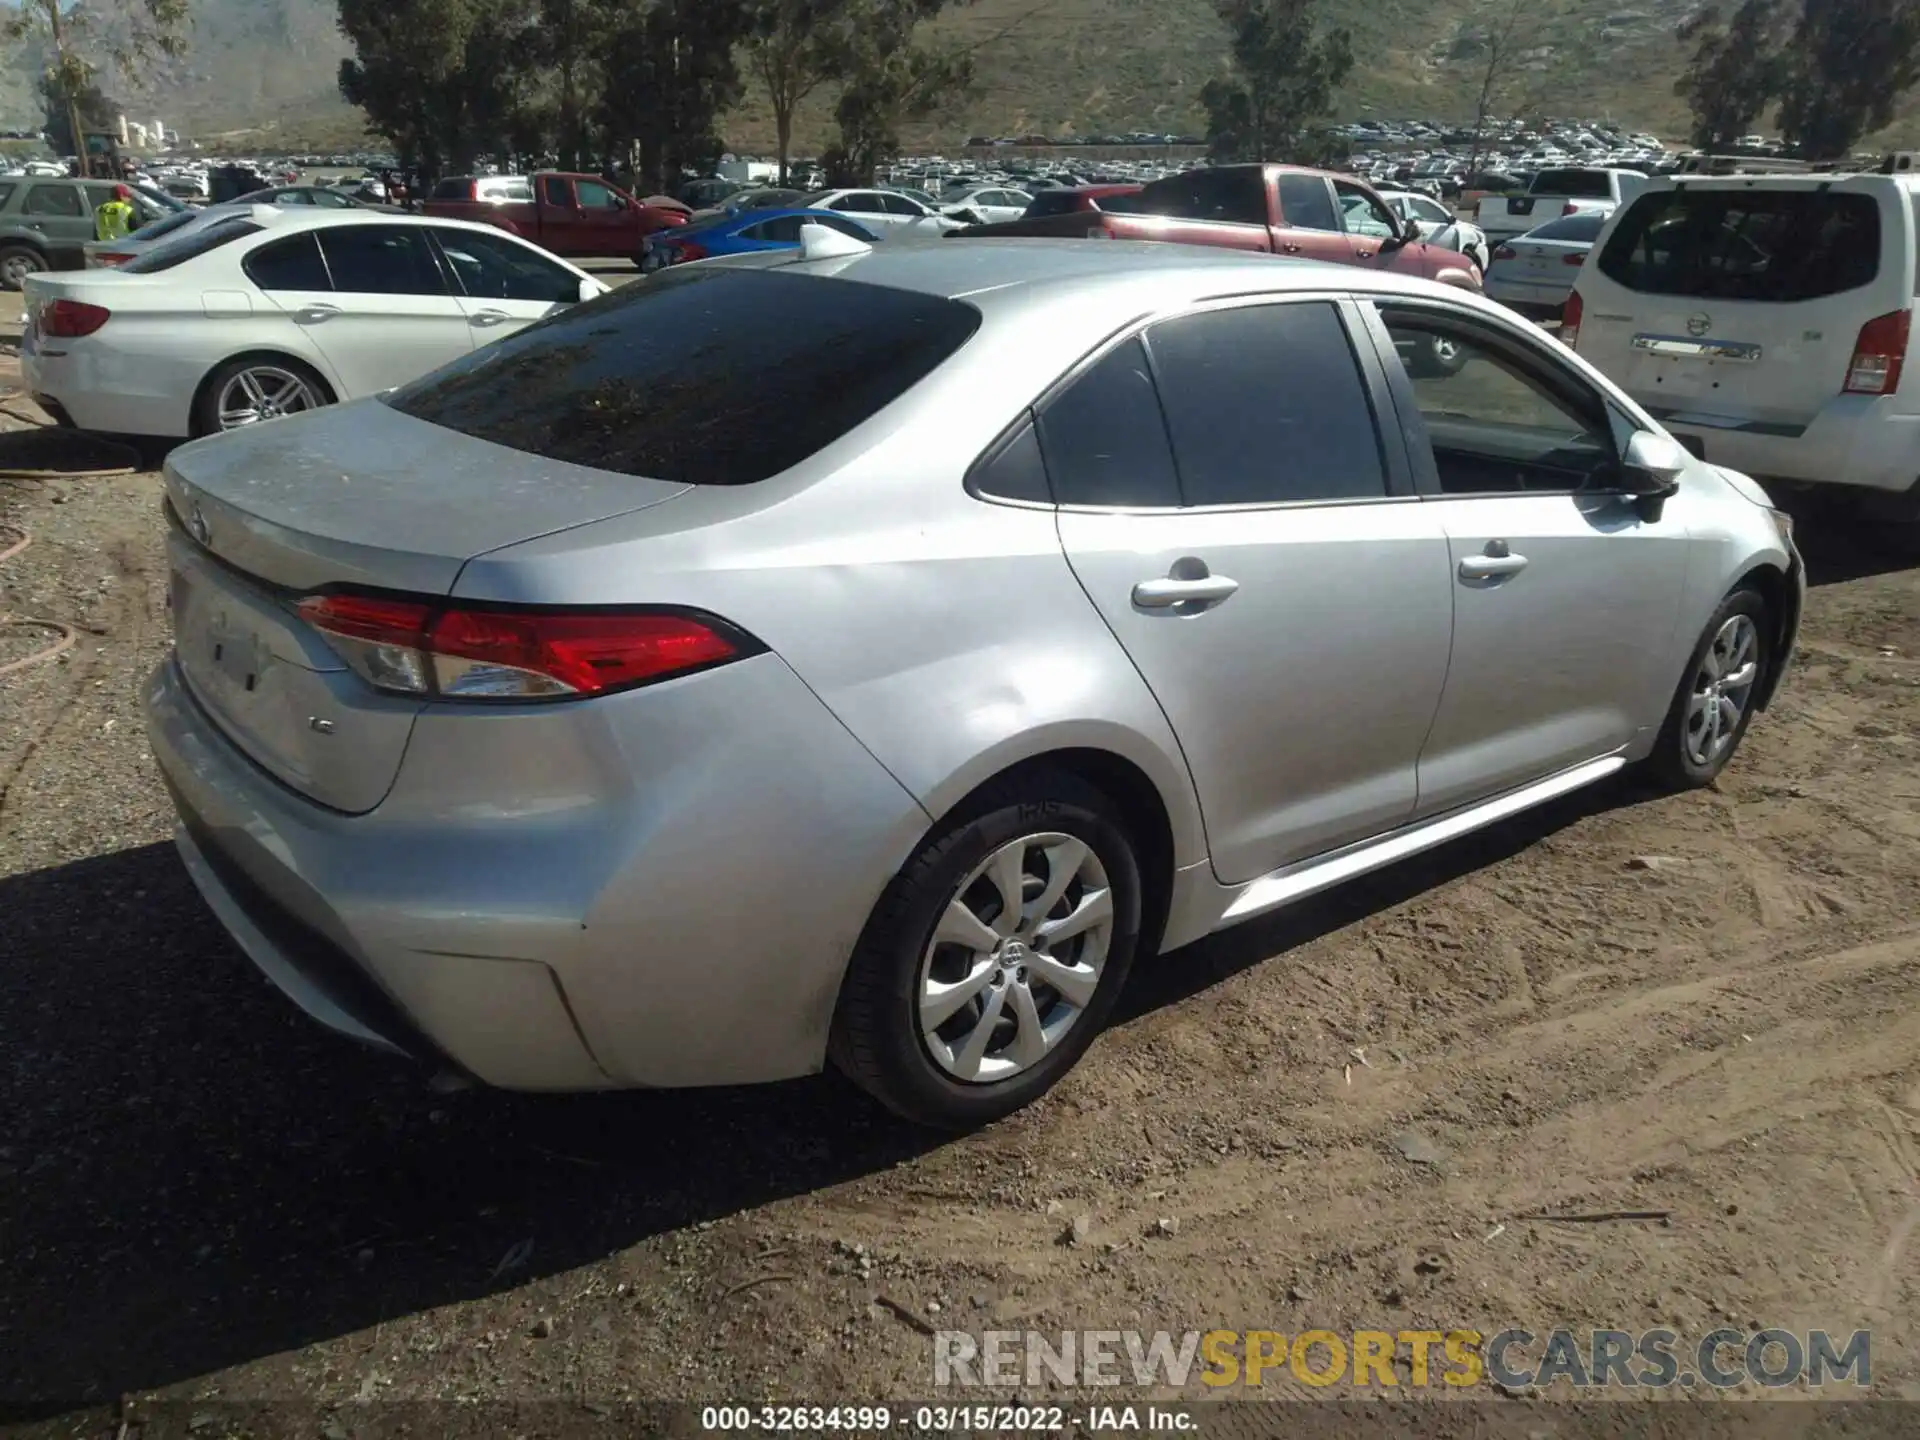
[{"x": 115, "y": 218}]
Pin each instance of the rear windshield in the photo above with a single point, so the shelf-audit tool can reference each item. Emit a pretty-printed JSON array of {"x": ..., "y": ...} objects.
[
  {"x": 714, "y": 377},
  {"x": 1746, "y": 244},
  {"x": 1236, "y": 193},
  {"x": 1054, "y": 202},
  {"x": 457, "y": 187},
  {"x": 164, "y": 226},
  {"x": 1583, "y": 227},
  {"x": 182, "y": 248},
  {"x": 1574, "y": 184}
]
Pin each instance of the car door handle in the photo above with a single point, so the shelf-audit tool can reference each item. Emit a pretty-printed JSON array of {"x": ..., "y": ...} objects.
[
  {"x": 1290, "y": 249},
  {"x": 1163, "y": 594},
  {"x": 490, "y": 317},
  {"x": 1364, "y": 254},
  {"x": 1488, "y": 567},
  {"x": 314, "y": 314}
]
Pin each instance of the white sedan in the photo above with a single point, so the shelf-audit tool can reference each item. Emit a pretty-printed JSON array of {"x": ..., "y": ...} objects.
[
  {"x": 268, "y": 312},
  {"x": 1438, "y": 225},
  {"x": 987, "y": 206},
  {"x": 888, "y": 209}
]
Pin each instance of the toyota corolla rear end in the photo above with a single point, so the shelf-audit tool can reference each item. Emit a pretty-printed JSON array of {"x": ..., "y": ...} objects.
[{"x": 564, "y": 834}]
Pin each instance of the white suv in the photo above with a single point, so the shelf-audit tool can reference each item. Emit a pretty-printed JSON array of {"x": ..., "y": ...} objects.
[{"x": 1765, "y": 321}]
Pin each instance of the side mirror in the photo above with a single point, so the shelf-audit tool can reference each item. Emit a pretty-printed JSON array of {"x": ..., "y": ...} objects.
[
  {"x": 1651, "y": 471},
  {"x": 590, "y": 289}
]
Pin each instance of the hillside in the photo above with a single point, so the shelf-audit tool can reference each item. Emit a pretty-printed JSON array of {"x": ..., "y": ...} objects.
[{"x": 267, "y": 67}]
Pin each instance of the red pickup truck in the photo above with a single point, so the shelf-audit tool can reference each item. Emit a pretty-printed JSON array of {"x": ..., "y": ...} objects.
[
  {"x": 571, "y": 215},
  {"x": 1276, "y": 209}
]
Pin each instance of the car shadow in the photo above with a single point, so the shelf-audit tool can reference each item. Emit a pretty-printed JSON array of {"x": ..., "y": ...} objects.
[
  {"x": 193, "y": 1175},
  {"x": 1838, "y": 546}
]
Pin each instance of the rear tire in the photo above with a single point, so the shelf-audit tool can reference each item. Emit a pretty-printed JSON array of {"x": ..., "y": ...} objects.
[
  {"x": 942, "y": 961},
  {"x": 16, "y": 263},
  {"x": 287, "y": 386},
  {"x": 1714, "y": 703}
]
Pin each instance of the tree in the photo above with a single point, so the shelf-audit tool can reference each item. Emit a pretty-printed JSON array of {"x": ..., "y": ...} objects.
[
  {"x": 1852, "y": 60},
  {"x": 443, "y": 80},
  {"x": 96, "y": 111},
  {"x": 1494, "y": 51},
  {"x": 127, "y": 32},
  {"x": 1281, "y": 78},
  {"x": 1738, "y": 68},
  {"x": 669, "y": 72},
  {"x": 793, "y": 51}
]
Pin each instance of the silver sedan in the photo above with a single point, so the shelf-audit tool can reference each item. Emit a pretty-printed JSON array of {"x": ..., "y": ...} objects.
[{"x": 864, "y": 655}]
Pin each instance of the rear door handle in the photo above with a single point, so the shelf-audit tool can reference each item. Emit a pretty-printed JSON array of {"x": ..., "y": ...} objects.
[
  {"x": 1290, "y": 249},
  {"x": 1163, "y": 594},
  {"x": 1488, "y": 567},
  {"x": 313, "y": 314},
  {"x": 490, "y": 317}
]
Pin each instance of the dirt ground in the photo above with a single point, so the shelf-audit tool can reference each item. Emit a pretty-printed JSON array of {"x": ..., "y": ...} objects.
[{"x": 1706, "y": 1005}]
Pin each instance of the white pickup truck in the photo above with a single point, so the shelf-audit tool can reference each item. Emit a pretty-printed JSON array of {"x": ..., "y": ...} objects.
[{"x": 1553, "y": 193}]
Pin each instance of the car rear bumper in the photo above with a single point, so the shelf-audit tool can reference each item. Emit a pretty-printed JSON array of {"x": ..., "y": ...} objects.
[
  {"x": 655, "y": 888},
  {"x": 1855, "y": 440},
  {"x": 98, "y": 387}
]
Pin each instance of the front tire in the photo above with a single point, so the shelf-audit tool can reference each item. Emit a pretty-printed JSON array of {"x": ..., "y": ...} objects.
[
  {"x": 16, "y": 263},
  {"x": 1714, "y": 704},
  {"x": 994, "y": 957}
]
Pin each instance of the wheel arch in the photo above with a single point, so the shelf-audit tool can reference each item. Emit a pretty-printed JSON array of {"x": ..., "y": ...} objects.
[
  {"x": 1782, "y": 598},
  {"x": 256, "y": 352}
]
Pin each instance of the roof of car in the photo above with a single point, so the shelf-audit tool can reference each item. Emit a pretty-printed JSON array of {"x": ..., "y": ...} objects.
[{"x": 953, "y": 268}]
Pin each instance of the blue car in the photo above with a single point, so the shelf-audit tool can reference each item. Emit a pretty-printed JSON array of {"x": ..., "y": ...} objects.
[{"x": 742, "y": 234}]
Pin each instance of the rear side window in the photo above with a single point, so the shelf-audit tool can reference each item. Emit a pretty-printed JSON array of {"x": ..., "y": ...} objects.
[
  {"x": 1104, "y": 440},
  {"x": 1745, "y": 244},
  {"x": 722, "y": 377},
  {"x": 1307, "y": 204},
  {"x": 1236, "y": 193},
  {"x": 1574, "y": 184},
  {"x": 1016, "y": 470},
  {"x": 182, "y": 248},
  {"x": 290, "y": 264},
  {"x": 54, "y": 200},
  {"x": 6, "y": 194},
  {"x": 381, "y": 260},
  {"x": 1266, "y": 406},
  {"x": 1584, "y": 228}
]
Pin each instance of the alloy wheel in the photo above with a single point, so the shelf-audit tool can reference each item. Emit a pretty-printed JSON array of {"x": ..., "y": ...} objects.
[
  {"x": 263, "y": 392},
  {"x": 1015, "y": 958},
  {"x": 1722, "y": 688}
]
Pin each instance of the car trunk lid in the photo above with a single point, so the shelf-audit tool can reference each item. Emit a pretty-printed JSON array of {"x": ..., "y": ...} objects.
[{"x": 354, "y": 497}]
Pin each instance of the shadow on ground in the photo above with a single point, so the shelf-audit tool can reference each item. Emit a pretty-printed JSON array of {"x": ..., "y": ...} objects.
[{"x": 192, "y": 1175}]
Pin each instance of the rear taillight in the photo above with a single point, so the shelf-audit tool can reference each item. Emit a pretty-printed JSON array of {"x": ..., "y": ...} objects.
[
  {"x": 111, "y": 260},
  {"x": 70, "y": 319},
  {"x": 1570, "y": 321},
  {"x": 1100, "y": 230},
  {"x": 1576, "y": 258},
  {"x": 412, "y": 647},
  {"x": 1570, "y": 209},
  {"x": 1505, "y": 252},
  {"x": 685, "y": 250},
  {"x": 1878, "y": 355}
]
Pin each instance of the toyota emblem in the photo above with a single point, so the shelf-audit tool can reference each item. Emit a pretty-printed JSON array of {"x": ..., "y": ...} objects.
[{"x": 1700, "y": 324}]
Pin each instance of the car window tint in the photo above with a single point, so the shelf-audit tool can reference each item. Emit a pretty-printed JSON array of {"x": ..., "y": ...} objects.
[
  {"x": 327, "y": 200},
  {"x": 1429, "y": 211},
  {"x": 704, "y": 377},
  {"x": 555, "y": 191},
  {"x": 381, "y": 260},
  {"x": 6, "y": 194},
  {"x": 1745, "y": 244},
  {"x": 1574, "y": 184},
  {"x": 1235, "y": 193},
  {"x": 1363, "y": 212},
  {"x": 54, "y": 200},
  {"x": 847, "y": 202},
  {"x": 1307, "y": 204},
  {"x": 178, "y": 249},
  {"x": 900, "y": 205},
  {"x": 1497, "y": 424},
  {"x": 1104, "y": 440},
  {"x": 593, "y": 195},
  {"x": 1583, "y": 227},
  {"x": 786, "y": 228},
  {"x": 1266, "y": 405},
  {"x": 457, "y": 187},
  {"x": 292, "y": 197},
  {"x": 1016, "y": 471},
  {"x": 492, "y": 267},
  {"x": 163, "y": 227},
  {"x": 845, "y": 227},
  {"x": 290, "y": 264}
]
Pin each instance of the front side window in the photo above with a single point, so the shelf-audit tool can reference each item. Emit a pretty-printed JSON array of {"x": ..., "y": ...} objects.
[
  {"x": 1362, "y": 212},
  {"x": 381, "y": 260},
  {"x": 595, "y": 196},
  {"x": 1496, "y": 419},
  {"x": 1266, "y": 405},
  {"x": 492, "y": 267},
  {"x": 1104, "y": 440}
]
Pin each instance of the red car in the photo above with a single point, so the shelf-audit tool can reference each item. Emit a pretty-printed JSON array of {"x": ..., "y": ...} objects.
[
  {"x": 569, "y": 215},
  {"x": 1278, "y": 209},
  {"x": 1077, "y": 201}
]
